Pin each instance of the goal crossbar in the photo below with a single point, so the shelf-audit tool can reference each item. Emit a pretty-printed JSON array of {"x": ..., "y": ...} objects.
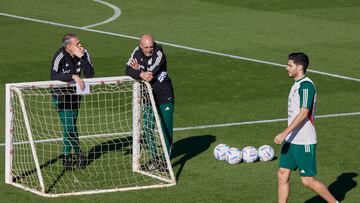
[{"x": 117, "y": 127}]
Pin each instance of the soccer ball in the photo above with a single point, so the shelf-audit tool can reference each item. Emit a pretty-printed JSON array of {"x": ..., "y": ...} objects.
[
  {"x": 250, "y": 154},
  {"x": 233, "y": 156},
  {"x": 220, "y": 151},
  {"x": 266, "y": 153}
]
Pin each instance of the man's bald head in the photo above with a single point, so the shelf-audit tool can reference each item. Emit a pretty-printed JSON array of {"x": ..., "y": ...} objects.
[{"x": 147, "y": 44}]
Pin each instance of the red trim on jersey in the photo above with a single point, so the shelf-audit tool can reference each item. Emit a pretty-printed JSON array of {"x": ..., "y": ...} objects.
[{"x": 310, "y": 117}]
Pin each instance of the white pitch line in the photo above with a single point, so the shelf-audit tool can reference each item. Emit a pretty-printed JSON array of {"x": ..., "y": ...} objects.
[
  {"x": 230, "y": 124},
  {"x": 178, "y": 46},
  {"x": 261, "y": 121},
  {"x": 202, "y": 127},
  {"x": 117, "y": 13}
]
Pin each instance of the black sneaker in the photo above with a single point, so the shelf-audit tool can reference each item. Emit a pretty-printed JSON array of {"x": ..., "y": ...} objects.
[
  {"x": 162, "y": 164},
  {"x": 81, "y": 161},
  {"x": 150, "y": 165},
  {"x": 67, "y": 162}
]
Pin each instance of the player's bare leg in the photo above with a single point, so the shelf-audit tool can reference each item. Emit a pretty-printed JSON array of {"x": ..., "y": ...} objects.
[
  {"x": 283, "y": 184},
  {"x": 319, "y": 188}
]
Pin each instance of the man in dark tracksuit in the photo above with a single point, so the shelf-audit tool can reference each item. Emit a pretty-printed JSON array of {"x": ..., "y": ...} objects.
[
  {"x": 67, "y": 64},
  {"x": 148, "y": 62}
]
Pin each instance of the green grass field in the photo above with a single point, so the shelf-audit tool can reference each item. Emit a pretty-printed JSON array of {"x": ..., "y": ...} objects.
[{"x": 210, "y": 89}]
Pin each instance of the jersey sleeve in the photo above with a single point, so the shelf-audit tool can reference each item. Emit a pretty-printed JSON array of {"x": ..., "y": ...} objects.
[
  {"x": 307, "y": 94},
  {"x": 86, "y": 65},
  {"x": 56, "y": 68},
  {"x": 129, "y": 70}
]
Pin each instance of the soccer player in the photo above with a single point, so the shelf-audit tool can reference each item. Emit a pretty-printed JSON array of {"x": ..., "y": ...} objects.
[
  {"x": 299, "y": 147},
  {"x": 148, "y": 63},
  {"x": 68, "y": 63}
]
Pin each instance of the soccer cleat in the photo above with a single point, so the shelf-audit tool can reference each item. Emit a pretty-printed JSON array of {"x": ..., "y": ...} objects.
[
  {"x": 81, "y": 161},
  {"x": 67, "y": 162},
  {"x": 150, "y": 165},
  {"x": 155, "y": 164},
  {"x": 161, "y": 163}
]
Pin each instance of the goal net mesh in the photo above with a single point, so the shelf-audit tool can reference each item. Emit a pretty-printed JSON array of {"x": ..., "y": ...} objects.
[{"x": 92, "y": 132}]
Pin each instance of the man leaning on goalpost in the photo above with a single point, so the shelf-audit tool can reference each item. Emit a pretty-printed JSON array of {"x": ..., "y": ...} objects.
[
  {"x": 148, "y": 63},
  {"x": 68, "y": 63},
  {"x": 299, "y": 147}
]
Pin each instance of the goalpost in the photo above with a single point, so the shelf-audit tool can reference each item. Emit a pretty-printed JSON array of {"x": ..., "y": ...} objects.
[{"x": 117, "y": 128}]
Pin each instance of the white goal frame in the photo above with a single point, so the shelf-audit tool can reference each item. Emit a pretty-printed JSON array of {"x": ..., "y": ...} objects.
[{"x": 13, "y": 88}]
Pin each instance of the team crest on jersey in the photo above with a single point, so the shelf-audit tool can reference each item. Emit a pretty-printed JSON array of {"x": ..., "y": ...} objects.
[{"x": 66, "y": 65}]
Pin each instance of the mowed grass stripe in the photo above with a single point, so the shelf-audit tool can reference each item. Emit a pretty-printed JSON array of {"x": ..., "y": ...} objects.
[
  {"x": 180, "y": 46},
  {"x": 199, "y": 127}
]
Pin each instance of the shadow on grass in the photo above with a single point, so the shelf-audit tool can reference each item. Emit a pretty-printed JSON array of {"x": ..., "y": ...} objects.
[
  {"x": 93, "y": 154},
  {"x": 109, "y": 146},
  {"x": 343, "y": 184},
  {"x": 55, "y": 181},
  {"x": 96, "y": 152},
  {"x": 188, "y": 148},
  {"x": 31, "y": 172},
  {"x": 46, "y": 164}
]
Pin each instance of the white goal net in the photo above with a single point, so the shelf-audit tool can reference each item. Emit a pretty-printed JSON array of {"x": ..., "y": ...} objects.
[{"x": 60, "y": 143}]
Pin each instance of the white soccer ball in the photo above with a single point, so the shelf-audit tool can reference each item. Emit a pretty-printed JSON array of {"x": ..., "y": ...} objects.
[
  {"x": 266, "y": 153},
  {"x": 233, "y": 156},
  {"x": 220, "y": 151},
  {"x": 250, "y": 154}
]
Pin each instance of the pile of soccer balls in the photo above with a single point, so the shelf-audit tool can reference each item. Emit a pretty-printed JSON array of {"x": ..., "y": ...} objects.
[{"x": 249, "y": 154}]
